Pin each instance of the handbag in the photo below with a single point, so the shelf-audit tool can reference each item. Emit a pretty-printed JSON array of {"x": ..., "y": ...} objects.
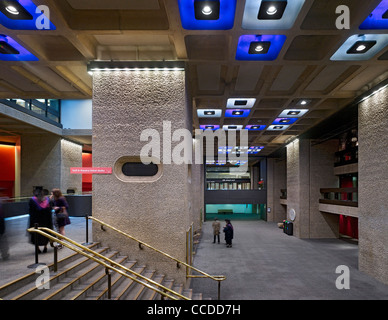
[{"x": 62, "y": 214}]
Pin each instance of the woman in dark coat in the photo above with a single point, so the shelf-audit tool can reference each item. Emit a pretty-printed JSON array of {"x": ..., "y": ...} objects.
[
  {"x": 61, "y": 207},
  {"x": 228, "y": 229},
  {"x": 40, "y": 213}
]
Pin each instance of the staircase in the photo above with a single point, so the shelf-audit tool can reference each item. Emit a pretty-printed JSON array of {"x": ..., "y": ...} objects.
[{"x": 80, "y": 278}]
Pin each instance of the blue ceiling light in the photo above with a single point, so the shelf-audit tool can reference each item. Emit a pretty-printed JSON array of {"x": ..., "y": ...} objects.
[
  {"x": 10, "y": 50},
  {"x": 259, "y": 47},
  {"x": 247, "y": 103},
  {"x": 207, "y": 14},
  {"x": 270, "y": 15},
  {"x": 237, "y": 113},
  {"x": 284, "y": 121},
  {"x": 378, "y": 19},
  {"x": 209, "y": 113},
  {"x": 361, "y": 47},
  {"x": 23, "y": 15},
  {"x": 254, "y": 127},
  {"x": 209, "y": 127},
  {"x": 255, "y": 150}
]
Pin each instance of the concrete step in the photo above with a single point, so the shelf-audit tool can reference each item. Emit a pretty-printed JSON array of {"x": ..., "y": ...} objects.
[{"x": 80, "y": 278}]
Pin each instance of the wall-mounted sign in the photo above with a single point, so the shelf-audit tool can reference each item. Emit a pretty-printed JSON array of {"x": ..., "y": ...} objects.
[{"x": 86, "y": 170}]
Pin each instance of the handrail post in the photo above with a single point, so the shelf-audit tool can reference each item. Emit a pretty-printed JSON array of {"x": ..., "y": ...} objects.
[
  {"x": 87, "y": 231},
  {"x": 36, "y": 264},
  {"x": 109, "y": 283},
  {"x": 55, "y": 258},
  {"x": 219, "y": 290}
]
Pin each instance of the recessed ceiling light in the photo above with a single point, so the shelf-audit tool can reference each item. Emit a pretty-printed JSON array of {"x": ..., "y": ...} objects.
[
  {"x": 282, "y": 121},
  {"x": 207, "y": 10},
  {"x": 239, "y": 113},
  {"x": 247, "y": 103},
  {"x": 361, "y": 47},
  {"x": 255, "y": 127},
  {"x": 209, "y": 113},
  {"x": 272, "y": 10},
  {"x": 12, "y": 9},
  {"x": 293, "y": 113},
  {"x": 6, "y": 48},
  {"x": 260, "y": 47},
  {"x": 278, "y": 127},
  {"x": 232, "y": 127}
]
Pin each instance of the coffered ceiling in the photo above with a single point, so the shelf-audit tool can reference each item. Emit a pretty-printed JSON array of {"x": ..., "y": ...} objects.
[{"x": 301, "y": 70}]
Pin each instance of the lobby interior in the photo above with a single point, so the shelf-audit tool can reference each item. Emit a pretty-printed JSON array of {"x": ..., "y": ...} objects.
[{"x": 307, "y": 80}]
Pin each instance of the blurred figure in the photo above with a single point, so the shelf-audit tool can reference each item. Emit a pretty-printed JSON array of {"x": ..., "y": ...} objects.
[
  {"x": 59, "y": 204},
  {"x": 228, "y": 229},
  {"x": 40, "y": 213},
  {"x": 216, "y": 230},
  {"x": 4, "y": 248}
]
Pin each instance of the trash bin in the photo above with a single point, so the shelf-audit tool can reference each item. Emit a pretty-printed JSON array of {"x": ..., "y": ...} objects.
[{"x": 288, "y": 228}]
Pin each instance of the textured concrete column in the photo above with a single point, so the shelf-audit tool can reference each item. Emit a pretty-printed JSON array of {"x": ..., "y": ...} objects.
[
  {"x": 157, "y": 212},
  {"x": 276, "y": 177},
  {"x": 373, "y": 181},
  {"x": 310, "y": 167},
  {"x": 46, "y": 161},
  {"x": 298, "y": 185}
]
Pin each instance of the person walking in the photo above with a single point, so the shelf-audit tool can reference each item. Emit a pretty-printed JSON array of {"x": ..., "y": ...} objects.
[
  {"x": 60, "y": 206},
  {"x": 4, "y": 248},
  {"x": 216, "y": 230},
  {"x": 228, "y": 229},
  {"x": 40, "y": 213}
]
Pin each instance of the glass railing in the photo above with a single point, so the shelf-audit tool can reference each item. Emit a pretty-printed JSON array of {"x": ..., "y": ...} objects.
[
  {"x": 340, "y": 196},
  {"x": 46, "y": 109}
]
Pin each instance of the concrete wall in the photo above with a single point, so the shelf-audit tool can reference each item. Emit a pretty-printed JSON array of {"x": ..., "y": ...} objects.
[
  {"x": 373, "y": 181},
  {"x": 311, "y": 167},
  {"x": 156, "y": 212},
  {"x": 277, "y": 180},
  {"x": 46, "y": 161}
]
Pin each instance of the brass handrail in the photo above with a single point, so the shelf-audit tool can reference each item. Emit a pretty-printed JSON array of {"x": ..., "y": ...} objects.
[
  {"x": 55, "y": 238},
  {"x": 204, "y": 274}
]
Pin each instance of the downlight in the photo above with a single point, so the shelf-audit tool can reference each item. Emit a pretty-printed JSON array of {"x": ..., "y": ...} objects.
[
  {"x": 12, "y": 9},
  {"x": 207, "y": 10},
  {"x": 361, "y": 47},
  {"x": 260, "y": 47},
  {"x": 5, "y": 47},
  {"x": 271, "y": 10}
]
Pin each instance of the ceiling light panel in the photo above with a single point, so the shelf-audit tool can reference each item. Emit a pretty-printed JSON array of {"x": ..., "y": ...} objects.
[
  {"x": 10, "y": 50},
  {"x": 209, "y": 113},
  {"x": 284, "y": 121},
  {"x": 278, "y": 127},
  {"x": 237, "y": 113},
  {"x": 246, "y": 103},
  {"x": 293, "y": 113},
  {"x": 22, "y": 15},
  {"x": 209, "y": 127},
  {"x": 269, "y": 15},
  {"x": 361, "y": 47},
  {"x": 207, "y": 14},
  {"x": 254, "y": 127},
  {"x": 378, "y": 19},
  {"x": 232, "y": 127},
  {"x": 271, "y": 47}
]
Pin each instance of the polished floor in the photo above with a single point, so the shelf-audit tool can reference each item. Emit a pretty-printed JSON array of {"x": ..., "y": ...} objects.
[
  {"x": 263, "y": 264},
  {"x": 266, "y": 264}
]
